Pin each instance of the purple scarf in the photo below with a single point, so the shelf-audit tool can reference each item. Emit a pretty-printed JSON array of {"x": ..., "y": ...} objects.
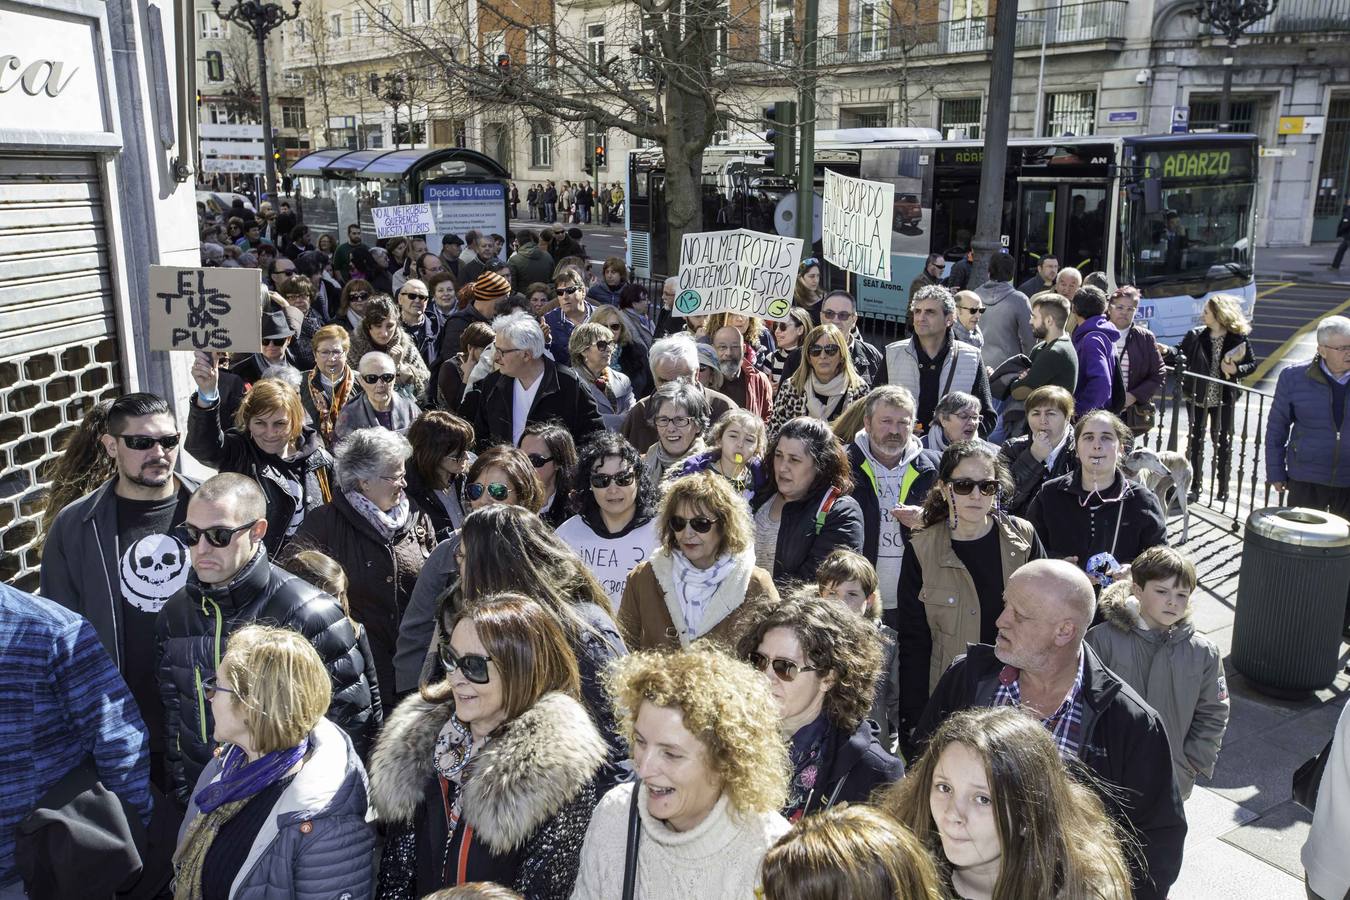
[{"x": 240, "y": 779}]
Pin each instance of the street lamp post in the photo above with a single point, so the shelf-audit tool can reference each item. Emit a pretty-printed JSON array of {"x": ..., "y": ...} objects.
[
  {"x": 1232, "y": 18},
  {"x": 260, "y": 20}
]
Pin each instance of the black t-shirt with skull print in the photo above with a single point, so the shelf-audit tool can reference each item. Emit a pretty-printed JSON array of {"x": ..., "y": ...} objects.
[{"x": 153, "y": 565}]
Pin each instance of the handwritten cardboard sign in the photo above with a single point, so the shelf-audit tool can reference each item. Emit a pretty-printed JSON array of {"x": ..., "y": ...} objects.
[
  {"x": 396, "y": 221},
  {"x": 205, "y": 309},
  {"x": 856, "y": 224},
  {"x": 742, "y": 271}
]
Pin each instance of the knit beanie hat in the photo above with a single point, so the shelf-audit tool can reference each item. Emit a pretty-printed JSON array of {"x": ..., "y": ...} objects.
[{"x": 490, "y": 286}]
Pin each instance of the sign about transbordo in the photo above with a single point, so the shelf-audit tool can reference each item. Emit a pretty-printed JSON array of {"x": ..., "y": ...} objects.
[
  {"x": 205, "y": 309},
  {"x": 742, "y": 271},
  {"x": 397, "y": 221},
  {"x": 856, "y": 224}
]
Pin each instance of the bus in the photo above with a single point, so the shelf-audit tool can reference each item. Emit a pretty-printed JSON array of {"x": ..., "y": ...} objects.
[{"x": 1173, "y": 215}]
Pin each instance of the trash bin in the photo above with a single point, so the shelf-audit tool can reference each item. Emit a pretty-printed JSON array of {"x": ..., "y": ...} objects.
[{"x": 1291, "y": 599}]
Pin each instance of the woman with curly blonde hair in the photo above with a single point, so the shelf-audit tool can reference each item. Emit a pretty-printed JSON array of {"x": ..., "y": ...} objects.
[
  {"x": 991, "y": 800},
  {"x": 712, "y": 773},
  {"x": 1217, "y": 351},
  {"x": 824, "y": 384},
  {"x": 850, "y": 853},
  {"x": 822, "y": 663}
]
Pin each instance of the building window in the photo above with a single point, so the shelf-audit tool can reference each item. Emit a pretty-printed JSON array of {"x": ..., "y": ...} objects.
[
  {"x": 218, "y": 114},
  {"x": 349, "y": 86},
  {"x": 537, "y": 56},
  {"x": 1242, "y": 115},
  {"x": 864, "y": 117},
  {"x": 781, "y": 34},
  {"x": 1071, "y": 113},
  {"x": 335, "y": 25},
  {"x": 596, "y": 139},
  {"x": 418, "y": 11},
  {"x": 874, "y": 23},
  {"x": 292, "y": 115},
  {"x": 373, "y": 136},
  {"x": 494, "y": 45},
  {"x": 541, "y": 143},
  {"x": 215, "y": 66},
  {"x": 417, "y": 134},
  {"x": 208, "y": 25},
  {"x": 966, "y": 30},
  {"x": 301, "y": 32},
  {"x": 293, "y": 80},
  {"x": 360, "y": 21},
  {"x": 595, "y": 44},
  {"x": 960, "y": 114}
]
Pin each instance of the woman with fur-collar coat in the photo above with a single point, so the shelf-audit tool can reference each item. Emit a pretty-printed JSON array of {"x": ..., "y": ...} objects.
[{"x": 464, "y": 800}]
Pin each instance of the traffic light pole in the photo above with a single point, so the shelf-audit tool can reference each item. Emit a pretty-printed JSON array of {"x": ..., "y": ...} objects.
[{"x": 806, "y": 178}]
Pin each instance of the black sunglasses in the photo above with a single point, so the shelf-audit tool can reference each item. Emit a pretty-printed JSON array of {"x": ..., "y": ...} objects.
[
  {"x": 496, "y": 490},
  {"x": 701, "y": 524},
  {"x": 473, "y": 665},
  {"x": 785, "y": 669},
  {"x": 825, "y": 350},
  {"x": 358, "y": 295},
  {"x": 539, "y": 460},
  {"x": 973, "y": 310},
  {"x": 623, "y": 479},
  {"x": 964, "y": 486},
  {"x": 387, "y": 377},
  {"x": 568, "y": 291},
  {"x": 145, "y": 441},
  {"x": 218, "y": 536},
  {"x": 603, "y": 346},
  {"x": 210, "y": 686},
  {"x": 275, "y": 342},
  {"x": 412, "y": 296}
]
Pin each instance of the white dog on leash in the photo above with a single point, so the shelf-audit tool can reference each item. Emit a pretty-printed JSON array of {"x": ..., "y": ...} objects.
[{"x": 1160, "y": 471}]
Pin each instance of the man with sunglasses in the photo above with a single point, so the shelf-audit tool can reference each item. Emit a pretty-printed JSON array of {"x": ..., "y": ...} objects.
[
  {"x": 233, "y": 583},
  {"x": 573, "y": 309},
  {"x": 424, "y": 330},
  {"x": 840, "y": 309},
  {"x": 112, "y": 555},
  {"x": 277, "y": 335}
]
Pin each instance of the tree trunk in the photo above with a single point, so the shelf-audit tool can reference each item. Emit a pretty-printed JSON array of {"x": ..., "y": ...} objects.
[{"x": 687, "y": 117}]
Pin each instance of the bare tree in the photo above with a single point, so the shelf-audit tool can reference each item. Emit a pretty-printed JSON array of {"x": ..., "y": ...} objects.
[
  {"x": 315, "y": 38},
  {"x": 664, "y": 74},
  {"x": 242, "y": 98}
]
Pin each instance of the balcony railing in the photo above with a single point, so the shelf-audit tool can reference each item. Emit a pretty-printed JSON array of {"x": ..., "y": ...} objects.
[
  {"x": 1090, "y": 22},
  {"x": 1306, "y": 17}
]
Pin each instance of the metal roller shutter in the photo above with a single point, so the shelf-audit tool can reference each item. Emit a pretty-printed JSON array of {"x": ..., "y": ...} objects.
[{"x": 58, "y": 347}]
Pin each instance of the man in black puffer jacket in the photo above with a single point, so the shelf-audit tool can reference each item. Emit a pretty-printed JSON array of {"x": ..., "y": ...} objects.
[{"x": 231, "y": 585}]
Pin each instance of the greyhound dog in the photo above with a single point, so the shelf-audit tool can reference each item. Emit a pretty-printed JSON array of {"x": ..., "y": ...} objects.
[{"x": 1160, "y": 471}]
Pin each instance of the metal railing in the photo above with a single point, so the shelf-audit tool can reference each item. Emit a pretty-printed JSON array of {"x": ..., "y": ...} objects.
[{"x": 1306, "y": 17}]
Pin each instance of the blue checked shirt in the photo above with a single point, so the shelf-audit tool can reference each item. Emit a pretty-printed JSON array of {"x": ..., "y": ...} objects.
[{"x": 1065, "y": 724}]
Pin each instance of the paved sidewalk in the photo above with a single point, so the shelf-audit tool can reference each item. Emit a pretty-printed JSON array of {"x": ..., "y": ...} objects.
[
  {"x": 1245, "y": 831},
  {"x": 1302, "y": 264}
]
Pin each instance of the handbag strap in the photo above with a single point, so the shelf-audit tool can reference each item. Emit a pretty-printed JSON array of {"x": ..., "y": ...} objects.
[{"x": 631, "y": 852}]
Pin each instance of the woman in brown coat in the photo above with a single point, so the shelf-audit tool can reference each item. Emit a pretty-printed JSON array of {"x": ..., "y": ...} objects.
[
  {"x": 381, "y": 541},
  {"x": 699, "y": 577}
]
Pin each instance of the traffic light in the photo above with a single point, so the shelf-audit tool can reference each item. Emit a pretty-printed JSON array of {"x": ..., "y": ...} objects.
[
  {"x": 199, "y": 99},
  {"x": 780, "y": 122},
  {"x": 503, "y": 65},
  {"x": 599, "y": 157}
]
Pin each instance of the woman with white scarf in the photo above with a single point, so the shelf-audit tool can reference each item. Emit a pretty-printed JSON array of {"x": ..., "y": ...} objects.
[
  {"x": 680, "y": 414},
  {"x": 371, "y": 527},
  {"x": 822, "y": 388},
  {"x": 700, "y": 575}
]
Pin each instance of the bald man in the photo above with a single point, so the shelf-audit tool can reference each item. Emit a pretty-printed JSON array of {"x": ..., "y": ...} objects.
[{"x": 1040, "y": 664}]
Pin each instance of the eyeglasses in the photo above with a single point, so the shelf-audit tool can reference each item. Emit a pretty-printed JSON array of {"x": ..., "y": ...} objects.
[
  {"x": 218, "y": 536},
  {"x": 336, "y": 351},
  {"x": 973, "y": 310},
  {"x": 473, "y": 665},
  {"x": 701, "y": 524},
  {"x": 835, "y": 315},
  {"x": 211, "y": 685},
  {"x": 783, "y": 326},
  {"x": 964, "y": 486},
  {"x": 146, "y": 441},
  {"x": 1330, "y": 349},
  {"x": 566, "y": 291},
  {"x": 385, "y": 377},
  {"x": 395, "y": 479},
  {"x": 825, "y": 350},
  {"x": 600, "y": 481},
  {"x": 539, "y": 460},
  {"x": 785, "y": 669},
  {"x": 358, "y": 296},
  {"x": 503, "y": 351},
  {"x": 496, "y": 490},
  {"x": 603, "y": 346},
  {"x": 275, "y": 342},
  {"x": 668, "y": 421},
  {"x": 412, "y": 296}
]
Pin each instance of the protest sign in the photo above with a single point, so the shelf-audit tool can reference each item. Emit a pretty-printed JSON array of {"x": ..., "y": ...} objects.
[
  {"x": 396, "y": 221},
  {"x": 856, "y": 224},
  {"x": 205, "y": 309},
  {"x": 461, "y": 208},
  {"x": 742, "y": 271}
]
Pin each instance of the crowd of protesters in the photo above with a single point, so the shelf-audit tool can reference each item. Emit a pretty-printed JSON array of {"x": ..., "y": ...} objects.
[{"x": 513, "y": 582}]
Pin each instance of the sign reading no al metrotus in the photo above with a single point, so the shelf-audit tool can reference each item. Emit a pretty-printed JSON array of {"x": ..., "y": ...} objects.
[
  {"x": 742, "y": 271},
  {"x": 396, "y": 221}
]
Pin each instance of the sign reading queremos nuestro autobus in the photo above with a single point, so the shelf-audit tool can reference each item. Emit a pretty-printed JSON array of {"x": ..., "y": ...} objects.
[
  {"x": 54, "y": 69},
  {"x": 742, "y": 271}
]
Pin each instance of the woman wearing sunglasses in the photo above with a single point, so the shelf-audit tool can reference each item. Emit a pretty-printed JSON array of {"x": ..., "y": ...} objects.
[
  {"x": 491, "y": 773},
  {"x": 680, "y": 414},
  {"x": 952, "y": 576},
  {"x": 372, "y": 527},
  {"x": 808, "y": 294},
  {"x": 592, "y": 346},
  {"x": 553, "y": 453},
  {"x": 441, "y": 445},
  {"x": 712, "y": 773},
  {"x": 805, "y": 510},
  {"x": 822, "y": 662},
  {"x": 269, "y": 443},
  {"x": 380, "y": 404},
  {"x": 825, "y": 386},
  {"x": 569, "y": 287},
  {"x": 280, "y": 760},
  {"x": 503, "y": 474},
  {"x": 1095, "y": 517},
  {"x": 702, "y": 573},
  {"x": 787, "y": 336},
  {"x": 380, "y": 331},
  {"x": 629, "y": 353},
  {"x": 352, "y": 303},
  {"x": 615, "y": 499}
]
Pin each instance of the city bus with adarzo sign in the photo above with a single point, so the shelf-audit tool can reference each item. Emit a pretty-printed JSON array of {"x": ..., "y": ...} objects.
[{"x": 1173, "y": 215}]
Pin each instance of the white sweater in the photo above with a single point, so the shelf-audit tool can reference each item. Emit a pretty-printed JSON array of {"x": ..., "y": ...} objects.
[
  {"x": 718, "y": 858},
  {"x": 1324, "y": 855}
]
